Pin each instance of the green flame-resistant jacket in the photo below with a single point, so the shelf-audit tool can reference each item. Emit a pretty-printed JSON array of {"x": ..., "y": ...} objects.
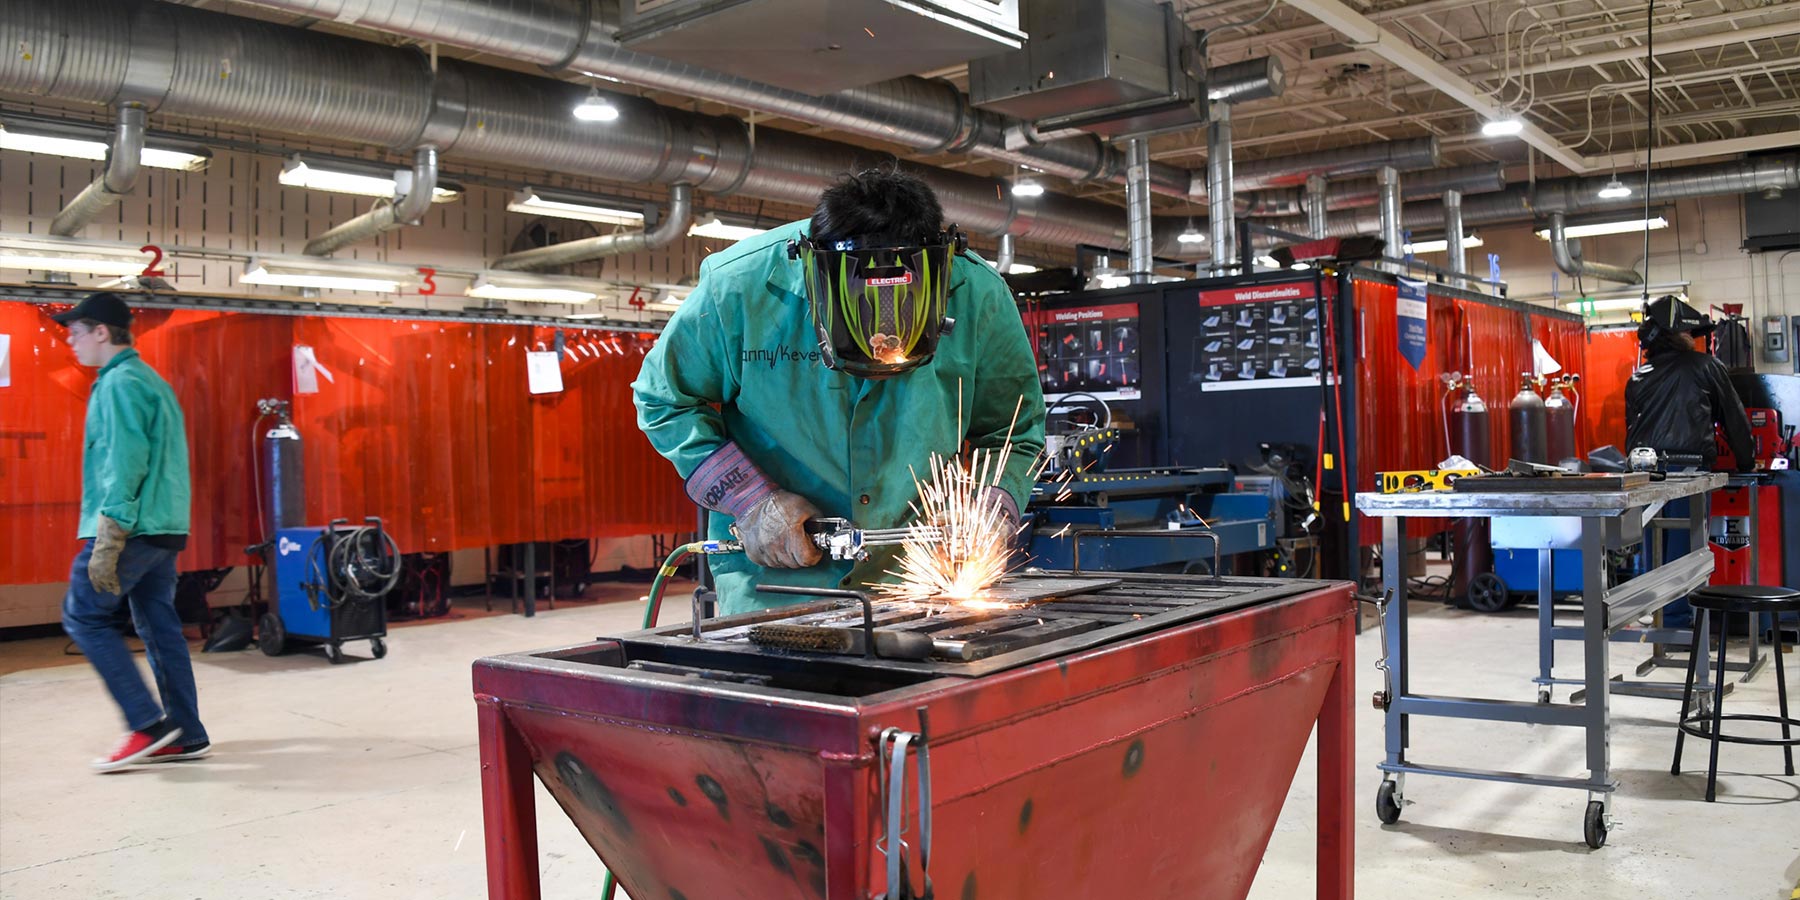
[
  {"x": 739, "y": 364},
  {"x": 134, "y": 458}
]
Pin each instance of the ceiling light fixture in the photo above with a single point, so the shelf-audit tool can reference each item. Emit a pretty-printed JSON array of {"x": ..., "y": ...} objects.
[
  {"x": 1505, "y": 126},
  {"x": 533, "y": 288},
  {"x": 1027, "y": 187},
  {"x": 1021, "y": 269},
  {"x": 76, "y": 142},
  {"x": 1595, "y": 229},
  {"x": 595, "y": 108},
  {"x": 1615, "y": 190},
  {"x": 1190, "y": 235},
  {"x": 570, "y": 205},
  {"x": 363, "y": 180},
  {"x": 329, "y": 275},
  {"x": 1442, "y": 244},
  {"x": 718, "y": 229},
  {"x": 53, "y": 254}
]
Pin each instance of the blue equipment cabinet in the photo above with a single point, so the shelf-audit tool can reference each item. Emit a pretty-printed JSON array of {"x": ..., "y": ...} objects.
[{"x": 330, "y": 587}]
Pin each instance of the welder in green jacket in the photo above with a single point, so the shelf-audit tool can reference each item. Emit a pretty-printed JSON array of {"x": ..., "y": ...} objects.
[{"x": 817, "y": 367}]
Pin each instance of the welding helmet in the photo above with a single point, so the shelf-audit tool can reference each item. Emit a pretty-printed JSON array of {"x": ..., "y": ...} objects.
[
  {"x": 879, "y": 301},
  {"x": 1669, "y": 314}
]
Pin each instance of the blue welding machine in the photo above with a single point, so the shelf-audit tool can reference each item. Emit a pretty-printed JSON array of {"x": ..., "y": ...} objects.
[{"x": 330, "y": 587}]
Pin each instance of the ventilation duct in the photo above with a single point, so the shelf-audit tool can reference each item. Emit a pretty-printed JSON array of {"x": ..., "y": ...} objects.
[
  {"x": 1292, "y": 171},
  {"x": 1453, "y": 232},
  {"x": 1352, "y": 193},
  {"x": 1567, "y": 255},
  {"x": 123, "y": 162},
  {"x": 406, "y": 209},
  {"x": 1137, "y": 207},
  {"x": 1390, "y": 211},
  {"x": 673, "y": 226},
  {"x": 1219, "y": 180}
]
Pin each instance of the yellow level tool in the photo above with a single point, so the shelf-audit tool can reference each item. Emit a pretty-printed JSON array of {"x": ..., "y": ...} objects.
[{"x": 1419, "y": 480}]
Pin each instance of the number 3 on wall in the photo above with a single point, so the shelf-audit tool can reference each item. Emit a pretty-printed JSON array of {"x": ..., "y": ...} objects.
[
  {"x": 430, "y": 287},
  {"x": 154, "y": 269}
]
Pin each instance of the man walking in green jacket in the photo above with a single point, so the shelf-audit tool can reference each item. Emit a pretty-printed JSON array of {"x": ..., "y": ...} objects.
[
  {"x": 817, "y": 367},
  {"x": 134, "y": 522}
]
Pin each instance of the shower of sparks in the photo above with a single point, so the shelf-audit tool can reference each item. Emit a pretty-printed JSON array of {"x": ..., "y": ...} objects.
[{"x": 976, "y": 533}]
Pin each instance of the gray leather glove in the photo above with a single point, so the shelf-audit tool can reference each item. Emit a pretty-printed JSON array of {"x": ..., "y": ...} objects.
[
  {"x": 1009, "y": 510},
  {"x": 103, "y": 562},
  {"x": 774, "y": 532}
]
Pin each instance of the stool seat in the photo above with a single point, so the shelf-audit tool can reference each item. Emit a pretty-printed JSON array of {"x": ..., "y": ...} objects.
[{"x": 1746, "y": 598}]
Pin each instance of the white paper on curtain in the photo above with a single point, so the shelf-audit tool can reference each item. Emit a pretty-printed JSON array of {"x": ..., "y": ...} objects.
[
  {"x": 1542, "y": 363},
  {"x": 308, "y": 370},
  {"x": 5, "y": 360},
  {"x": 543, "y": 373}
]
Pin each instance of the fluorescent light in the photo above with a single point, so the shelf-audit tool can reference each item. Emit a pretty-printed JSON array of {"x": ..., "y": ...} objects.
[
  {"x": 1113, "y": 281},
  {"x": 595, "y": 108},
  {"x": 71, "y": 255},
  {"x": 566, "y": 205},
  {"x": 588, "y": 316},
  {"x": 363, "y": 181},
  {"x": 1190, "y": 236},
  {"x": 1300, "y": 266},
  {"x": 533, "y": 288},
  {"x": 75, "y": 145},
  {"x": 1268, "y": 262},
  {"x": 713, "y": 228},
  {"x": 1442, "y": 244},
  {"x": 1614, "y": 305},
  {"x": 1505, "y": 127},
  {"x": 327, "y": 274},
  {"x": 1021, "y": 269},
  {"x": 669, "y": 302},
  {"x": 1027, "y": 187},
  {"x": 1615, "y": 190},
  {"x": 1595, "y": 229}
]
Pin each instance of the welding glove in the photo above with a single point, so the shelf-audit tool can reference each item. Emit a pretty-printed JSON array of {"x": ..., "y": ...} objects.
[
  {"x": 103, "y": 561},
  {"x": 774, "y": 532},
  {"x": 1008, "y": 508}
]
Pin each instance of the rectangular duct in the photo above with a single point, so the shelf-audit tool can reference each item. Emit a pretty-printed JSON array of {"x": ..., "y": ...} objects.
[
  {"x": 820, "y": 47},
  {"x": 1113, "y": 67}
]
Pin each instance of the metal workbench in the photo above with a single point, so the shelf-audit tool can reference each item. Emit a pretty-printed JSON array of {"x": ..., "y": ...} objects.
[{"x": 1607, "y": 520}]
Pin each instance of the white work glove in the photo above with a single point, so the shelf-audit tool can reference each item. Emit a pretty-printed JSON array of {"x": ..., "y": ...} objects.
[{"x": 774, "y": 532}]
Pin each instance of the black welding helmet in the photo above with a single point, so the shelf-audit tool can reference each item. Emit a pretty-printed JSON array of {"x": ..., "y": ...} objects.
[
  {"x": 879, "y": 302},
  {"x": 1668, "y": 314}
]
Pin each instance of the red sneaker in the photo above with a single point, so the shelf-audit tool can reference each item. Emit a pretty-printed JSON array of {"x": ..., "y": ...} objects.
[
  {"x": 138, "y": 745},
  {"x": 179, "y": 752}
]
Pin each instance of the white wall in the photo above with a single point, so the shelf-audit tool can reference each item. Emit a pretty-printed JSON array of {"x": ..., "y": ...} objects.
[{"x": 1703, "y": 245}]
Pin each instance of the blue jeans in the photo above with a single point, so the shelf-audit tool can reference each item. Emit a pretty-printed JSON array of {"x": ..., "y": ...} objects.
[{"x": 91, "y": 617}]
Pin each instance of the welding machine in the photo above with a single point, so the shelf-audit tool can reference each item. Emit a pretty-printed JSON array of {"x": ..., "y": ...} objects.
[{"x": 330, "y": 587}]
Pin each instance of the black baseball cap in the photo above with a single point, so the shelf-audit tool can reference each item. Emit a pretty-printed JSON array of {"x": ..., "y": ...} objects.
[
  {"x": 1671, "y": 313},
  {"x": 104, "y": 307}
]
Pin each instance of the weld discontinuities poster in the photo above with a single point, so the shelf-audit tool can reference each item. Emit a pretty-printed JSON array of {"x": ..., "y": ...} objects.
[
  {"x": 1087, "y": 349},
  {"x": 1256, "y": 337}
]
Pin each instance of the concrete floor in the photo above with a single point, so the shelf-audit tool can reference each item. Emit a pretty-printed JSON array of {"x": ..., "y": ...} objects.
[{"x": 361, "y": 781}]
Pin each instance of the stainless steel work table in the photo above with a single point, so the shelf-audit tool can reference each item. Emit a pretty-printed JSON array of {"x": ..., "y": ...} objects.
[{"x": 1608, "y": 520}]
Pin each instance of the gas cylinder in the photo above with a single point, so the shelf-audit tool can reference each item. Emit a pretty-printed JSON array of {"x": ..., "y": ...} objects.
[
  {"x": 1530, "y": 440},
  {"x": 1471, "y": 437},
  {"x": 284, "y": 500},
  {"x": 1559, "y": 424}
]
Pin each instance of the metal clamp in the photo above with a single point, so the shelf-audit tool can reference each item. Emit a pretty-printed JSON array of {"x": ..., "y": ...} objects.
[
  {"x": 893, "y": 746},
  {"x": 1386, "y": 695}
]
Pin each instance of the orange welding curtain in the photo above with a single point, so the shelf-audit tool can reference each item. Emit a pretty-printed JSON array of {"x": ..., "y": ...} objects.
[
  {"x": 1612, "y": 356},
  {"x": 1401, "y": 411},
  {"x": 428, "y": 425}
]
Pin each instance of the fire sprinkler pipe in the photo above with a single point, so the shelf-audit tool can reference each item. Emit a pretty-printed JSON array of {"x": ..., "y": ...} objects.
[
  {"x": 1567, "y": 255},
  {"x": 1453, "y": 232},
  {"x": 1137, "y": 206},
  {"x": 674, "y": 225},
  {"x": 406, "y": 210},
  {"x": 123, "y": 162}
]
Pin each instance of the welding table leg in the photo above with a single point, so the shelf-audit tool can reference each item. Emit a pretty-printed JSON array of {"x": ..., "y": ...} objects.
[
  {"x": 508, "y": 807},
  {"x": 1546, "y": 625},
  {"x": 1596, "y": 646},
  {"x": 1393, "y": 574},
  {"x": 1337, "y": 773}
]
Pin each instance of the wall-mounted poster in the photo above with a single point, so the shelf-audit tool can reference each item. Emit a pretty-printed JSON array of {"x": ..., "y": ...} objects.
[
  {"x": 1258, "y": 336},
  {"x": 1087, "y": 349}
]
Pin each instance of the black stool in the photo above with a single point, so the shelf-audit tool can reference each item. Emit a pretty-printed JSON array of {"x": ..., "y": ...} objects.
[{"x": 1725, "y": 599}]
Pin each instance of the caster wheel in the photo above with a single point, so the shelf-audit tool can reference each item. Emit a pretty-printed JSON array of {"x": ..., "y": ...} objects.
[
  {"x": 1543, "y": 696},
  {"x": 1387, "y": 806},
  {"x": 335, "y": 653},
  {"x": 1593, "y": 825},
  {"x": 378, "y": 647},
  {"x": 271, "y": 637},
  {"x": 1488, "y": 594}
]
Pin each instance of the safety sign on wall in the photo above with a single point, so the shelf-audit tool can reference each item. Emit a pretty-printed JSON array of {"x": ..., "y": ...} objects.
[
  {"x": 1256, "y": 337},
  {"x": 1087, "y": 349},
  {"x": 1410, "y": 308}
]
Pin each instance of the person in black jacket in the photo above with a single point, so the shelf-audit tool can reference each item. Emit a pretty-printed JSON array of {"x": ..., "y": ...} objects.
[{"x": 1674, "y": 399}]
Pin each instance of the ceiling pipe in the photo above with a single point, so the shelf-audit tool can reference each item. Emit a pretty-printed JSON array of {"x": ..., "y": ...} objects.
[
  {"x": 1220, "y": 178},
  {"x": 1003, "y": 258},
  {"x": 1453, "y": 232},
  {"x": 1567, "y": 255},
  {"x": 407, "y": 209},
  {"x": 1351, "y": 193},
  {"x": 673, "y": 226},
  {"x": 1390, "y": 211},
  {"x": 1292, "y": 171},
  {"x": 1315, "y": 201},
  {"x": 123, "y": 162},
  {"x": 1137, "y": 207}
]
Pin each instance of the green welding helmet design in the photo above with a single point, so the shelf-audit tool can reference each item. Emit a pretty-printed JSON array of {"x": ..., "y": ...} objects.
[{"x": 879, "y": 302}]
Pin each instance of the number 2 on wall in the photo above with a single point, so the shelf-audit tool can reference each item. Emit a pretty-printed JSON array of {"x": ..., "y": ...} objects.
[{"x": 154, "y": 269}]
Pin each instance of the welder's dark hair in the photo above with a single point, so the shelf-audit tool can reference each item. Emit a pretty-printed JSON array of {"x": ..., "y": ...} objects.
[
  {"x": 878, "y": 201},
  {"x": 1656, "y": 338}
]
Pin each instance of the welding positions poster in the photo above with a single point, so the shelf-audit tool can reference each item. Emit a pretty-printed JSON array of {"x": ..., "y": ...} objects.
[
  {"x": 1260, "y": 336},
  {"x": 1087, "y": 349}
]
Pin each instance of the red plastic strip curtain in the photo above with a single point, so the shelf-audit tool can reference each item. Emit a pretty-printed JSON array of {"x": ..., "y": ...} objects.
[
  {"x": 1612, "y": 355},
  {"x": 428, "y": 425}
]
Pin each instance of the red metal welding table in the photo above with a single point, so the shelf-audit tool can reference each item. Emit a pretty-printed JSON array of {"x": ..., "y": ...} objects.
[{"x": 1149, "y": 758}]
